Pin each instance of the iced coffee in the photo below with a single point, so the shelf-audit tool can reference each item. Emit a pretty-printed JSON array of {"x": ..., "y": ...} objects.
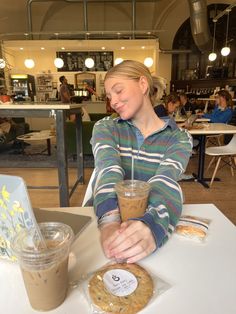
[
  {"x": 45, "y": 271},
  {"x": 132, "y": 198}
]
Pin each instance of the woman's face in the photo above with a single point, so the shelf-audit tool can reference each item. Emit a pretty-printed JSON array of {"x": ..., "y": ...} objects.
[
  {"x": 172, "y": 107},
  {"x": 222, "y": 102},
  {"x": 126, "y": 96}
]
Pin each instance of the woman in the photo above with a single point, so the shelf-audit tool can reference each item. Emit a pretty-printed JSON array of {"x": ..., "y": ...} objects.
[
  {"x": 171, "y": 104},
  {"x": 222, "y": 113},
  {"x": 161, "y": 152}
]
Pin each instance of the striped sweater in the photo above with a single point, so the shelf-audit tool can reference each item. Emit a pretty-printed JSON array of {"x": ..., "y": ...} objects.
[{"x": 159, "y": 159}]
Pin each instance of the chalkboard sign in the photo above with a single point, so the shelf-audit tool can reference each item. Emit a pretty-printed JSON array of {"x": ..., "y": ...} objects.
[{"x": 75, "y": 61}]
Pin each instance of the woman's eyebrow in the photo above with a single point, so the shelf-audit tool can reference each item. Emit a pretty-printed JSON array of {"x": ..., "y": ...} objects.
[{"x": 115, "y": 85}]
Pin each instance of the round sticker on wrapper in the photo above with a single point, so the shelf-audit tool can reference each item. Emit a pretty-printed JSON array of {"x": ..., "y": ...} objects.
[{"x": 120, "y": 282}]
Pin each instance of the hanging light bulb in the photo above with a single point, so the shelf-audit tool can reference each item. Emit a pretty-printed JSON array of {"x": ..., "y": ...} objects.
[
  {"x": 2, "y": 63},
  {"x": 58, "y": 62},
  {"x": 118, "y": 60},
  {"x": 89, "y": 62},
  {"x": 148, "y": 62},
  {"x": 212, "y": 56},
  {"x": 29, "y": 63},
  {"x": 225, "y": 51}
]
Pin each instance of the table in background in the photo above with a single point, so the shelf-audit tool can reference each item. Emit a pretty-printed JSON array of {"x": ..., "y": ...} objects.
[
  {"x": 44, "y": 135},
  {"x": 202, "y": 275},
  {"x": 59, "y": 112},
  {"x": 183, "y": 119},
  {"x": 210, "y": 128}
]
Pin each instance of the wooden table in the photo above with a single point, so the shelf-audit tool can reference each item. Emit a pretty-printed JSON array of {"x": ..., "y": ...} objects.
[
  {"x": 202, "y": 276},
  {"x": 211, "y": 128},
  {"x": 59, "y": 112}
]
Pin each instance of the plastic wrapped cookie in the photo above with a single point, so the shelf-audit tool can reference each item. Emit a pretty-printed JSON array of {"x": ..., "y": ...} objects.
[{"x": 121, "y": 288}]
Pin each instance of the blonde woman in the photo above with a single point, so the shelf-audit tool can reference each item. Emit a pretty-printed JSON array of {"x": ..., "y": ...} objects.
[{"x": 161, "y": 152}]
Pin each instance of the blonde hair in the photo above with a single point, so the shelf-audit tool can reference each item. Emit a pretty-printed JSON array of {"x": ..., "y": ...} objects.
[{"x": 133, "y": 70}]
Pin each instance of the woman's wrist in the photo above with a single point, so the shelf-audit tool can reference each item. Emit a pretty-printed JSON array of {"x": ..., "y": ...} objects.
[{"x": 112, "y": 216}]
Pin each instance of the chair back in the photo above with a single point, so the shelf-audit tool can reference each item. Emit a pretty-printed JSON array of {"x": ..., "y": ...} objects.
[
  {"x": 232, "y": 143},
  {"x": 89, "y": 191}
]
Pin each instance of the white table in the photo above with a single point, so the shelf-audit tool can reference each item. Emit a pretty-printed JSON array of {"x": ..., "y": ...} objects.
[
  {"x": 183, "y": 119},
  {"x": 45, "y": 135},
  {"x": 58, "y": 111},
  {"x": 202, "y": 276},
  {"x": 210, "y": 128}
]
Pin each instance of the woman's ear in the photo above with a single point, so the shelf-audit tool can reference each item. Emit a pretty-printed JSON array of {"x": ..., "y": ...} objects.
[{"x": 143, "y": 84}]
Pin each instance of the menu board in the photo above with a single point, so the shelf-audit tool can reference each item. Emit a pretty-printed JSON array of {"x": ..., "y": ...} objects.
[{"x": 75, "y": 60}]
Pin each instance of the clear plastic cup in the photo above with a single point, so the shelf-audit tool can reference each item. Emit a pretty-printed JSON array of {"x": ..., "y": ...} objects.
[
  {"x": 132, "y": 198},
  {"x": 45, "y": 271}
]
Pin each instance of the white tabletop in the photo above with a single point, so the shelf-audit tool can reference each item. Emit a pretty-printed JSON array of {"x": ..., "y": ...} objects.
[
  {"x": 40, "y": 106},
  {"x": 202, "y": 276},
  {"x": 214, "y": 128},
  {"x": 36, "y": 136},
  {"x": 183, "y": 119}
]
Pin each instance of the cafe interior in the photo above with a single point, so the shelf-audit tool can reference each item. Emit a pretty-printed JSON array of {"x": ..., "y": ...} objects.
[{"x": 189, "y": 43}]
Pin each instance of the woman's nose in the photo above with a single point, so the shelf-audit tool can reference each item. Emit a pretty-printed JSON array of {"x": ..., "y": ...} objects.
[{"x": 113, "y": 100}]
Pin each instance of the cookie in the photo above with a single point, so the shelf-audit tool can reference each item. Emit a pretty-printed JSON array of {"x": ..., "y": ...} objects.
[{"x": 126, "y": 304}]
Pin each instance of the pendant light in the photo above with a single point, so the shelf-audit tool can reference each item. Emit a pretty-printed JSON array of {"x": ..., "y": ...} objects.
[
  {"x": 2, "y": 63},
  {"x": 58, "y": 62},
  {"x": 118, "y": 60},
  {"x": 89, "y": 63},
  {"x": 225, "y": 51},
  {"x": 212, "y": 56},
  {"x": 29, "y": 63},
  {"x": 148, "y": 62}
]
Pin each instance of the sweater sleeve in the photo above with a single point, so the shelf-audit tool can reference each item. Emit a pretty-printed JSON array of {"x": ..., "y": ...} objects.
[
  {"x": 107, "y": 165},
  {"x": 166, "y": 200}
]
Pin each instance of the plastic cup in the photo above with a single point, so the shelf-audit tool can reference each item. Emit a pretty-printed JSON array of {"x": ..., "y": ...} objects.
[
  {"x": 132, "y": 198},
  {"x": 45, "y": 271}
]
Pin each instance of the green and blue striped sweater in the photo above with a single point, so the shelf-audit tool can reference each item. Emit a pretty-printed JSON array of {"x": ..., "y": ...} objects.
[{"x": 159, "y": 159}]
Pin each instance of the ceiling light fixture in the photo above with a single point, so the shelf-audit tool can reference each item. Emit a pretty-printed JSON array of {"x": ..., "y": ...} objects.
[
  {"x": 225, "y": 51},
  {"x": 212, "y": 56},
  {"x": 58, "y": 62},
  {"x": 2, "y": 63},
  {"x": 89, "y": 63},
  {"x": 148, "y": 62},
  {"x": 118, "y": 60},
  {"x": 29, "y": 63}
]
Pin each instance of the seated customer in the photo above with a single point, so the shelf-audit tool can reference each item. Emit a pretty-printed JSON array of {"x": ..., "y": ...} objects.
[
  {"x": 186, "y": 105},
  {"x": 222, "y": 112},
  {"x": 5, "y": 126},
  {"x": 171, "y": 104}
]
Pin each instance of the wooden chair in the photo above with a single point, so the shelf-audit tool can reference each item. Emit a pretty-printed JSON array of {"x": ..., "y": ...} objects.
[{"x": 221, "y": 153}]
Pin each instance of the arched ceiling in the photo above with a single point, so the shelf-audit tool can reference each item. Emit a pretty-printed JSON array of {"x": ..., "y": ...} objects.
[{"x": 162, "y": 16}]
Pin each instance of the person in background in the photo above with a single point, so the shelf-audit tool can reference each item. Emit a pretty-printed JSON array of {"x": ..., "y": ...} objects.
[
  {"x": 222, "y": 113},
  {"x": 161, "y": 152},
  {"x": 64, "y": 90},
  {"x": 171, "y": 104},
  {"x": 186, "y": 105}
]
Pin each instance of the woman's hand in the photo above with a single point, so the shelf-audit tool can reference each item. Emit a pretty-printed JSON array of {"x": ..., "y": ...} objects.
[
  {"x": 131, "y": 242},
  {"x": 107, "y": 235}
]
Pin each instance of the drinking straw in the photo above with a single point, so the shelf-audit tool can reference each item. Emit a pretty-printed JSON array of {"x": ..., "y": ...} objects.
[
  {"x": 132, "y": 168},
  {"x": 39, "y": 237}
]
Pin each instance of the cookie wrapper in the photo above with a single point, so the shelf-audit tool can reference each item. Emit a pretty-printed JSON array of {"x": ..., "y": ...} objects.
[
  {"x": 192, "y": 227},
  {"x": 122, "y": 288}
]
